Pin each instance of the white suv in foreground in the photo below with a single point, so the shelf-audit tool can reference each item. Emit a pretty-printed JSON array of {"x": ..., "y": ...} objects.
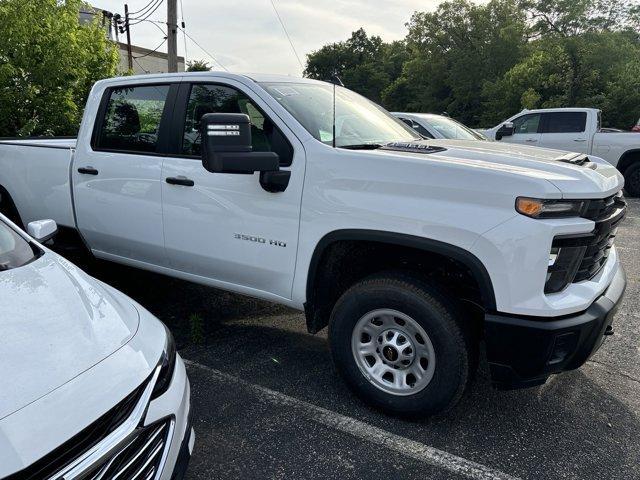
[{"x": 92, "y": 386}]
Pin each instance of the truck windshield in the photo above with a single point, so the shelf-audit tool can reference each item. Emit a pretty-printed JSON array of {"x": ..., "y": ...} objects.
[
  {"x": 15, "y": 251},
  {"x": 359, "y": 122}
]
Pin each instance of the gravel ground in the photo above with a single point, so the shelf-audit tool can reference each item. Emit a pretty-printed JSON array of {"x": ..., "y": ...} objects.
[{"x": 267, "y": 403}]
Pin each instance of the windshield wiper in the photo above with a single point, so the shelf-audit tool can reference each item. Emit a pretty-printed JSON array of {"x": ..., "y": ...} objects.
[{"x": 362, "y": 146}]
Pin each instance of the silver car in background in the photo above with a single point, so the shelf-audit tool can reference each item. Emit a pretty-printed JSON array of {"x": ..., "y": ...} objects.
[{"x": 430, "y": 125}]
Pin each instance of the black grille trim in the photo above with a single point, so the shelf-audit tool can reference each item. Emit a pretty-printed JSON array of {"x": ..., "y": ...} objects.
[
  {"x": 591, "y": 251},
  {"x": 65, "y": 454}
]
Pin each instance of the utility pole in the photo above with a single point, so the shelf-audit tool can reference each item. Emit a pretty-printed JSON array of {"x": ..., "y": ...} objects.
[
  {"x": 172, "y": 36},
  {"x": 126, "y": 25}
]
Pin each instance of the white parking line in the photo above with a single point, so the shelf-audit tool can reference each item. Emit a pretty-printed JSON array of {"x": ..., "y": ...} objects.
[{"x": 364, "y": 431}]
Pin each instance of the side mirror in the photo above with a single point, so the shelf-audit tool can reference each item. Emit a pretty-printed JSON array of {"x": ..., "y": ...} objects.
[
  {"x": 42, "y": 230},
  {"x": 226, "y": 145},
  {"x": 506, "y": 130}
]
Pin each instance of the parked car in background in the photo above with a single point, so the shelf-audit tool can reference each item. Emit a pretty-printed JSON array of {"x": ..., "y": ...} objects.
[
  {"x": 92, "y": 386},
  {"x": 430, "y": 125},
  {"x": 307, "y": 194},
  {"x": 636, "y": 127},
  {"x": 574, "y": 130}
]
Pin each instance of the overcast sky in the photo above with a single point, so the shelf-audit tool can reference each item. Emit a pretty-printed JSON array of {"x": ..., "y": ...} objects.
[{"x": 245, "y": 35}]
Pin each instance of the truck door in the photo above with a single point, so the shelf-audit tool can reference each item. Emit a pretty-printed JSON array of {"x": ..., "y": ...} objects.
[
  {"x": 565, "y": 131},
  {"x": 526, "y": 130},
  {"x": 225, "y": 228},
  {"x": 117, "y": 177}
]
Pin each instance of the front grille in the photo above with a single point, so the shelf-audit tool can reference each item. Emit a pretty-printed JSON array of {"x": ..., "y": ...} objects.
[
  {"x": 581, "y": 257},
  {"x": 609, "y": 213},
  {"x": 139, "y": 459},
  {"x": 72, "y": 449}
]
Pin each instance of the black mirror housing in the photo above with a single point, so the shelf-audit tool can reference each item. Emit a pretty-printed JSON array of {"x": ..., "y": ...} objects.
[
  {"x": 226, "y": 145},
  {"x": 505, "y": 130}
]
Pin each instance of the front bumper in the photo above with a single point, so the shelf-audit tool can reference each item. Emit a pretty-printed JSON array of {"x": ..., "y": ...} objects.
[{"x": 523, "y": 351}]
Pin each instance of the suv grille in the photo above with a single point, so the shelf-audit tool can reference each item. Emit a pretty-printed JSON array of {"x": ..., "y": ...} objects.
[
  {"x": 69, "y": 451},
  {"x": 139, "y": 458},
  {"x": 581, "y": 257}
]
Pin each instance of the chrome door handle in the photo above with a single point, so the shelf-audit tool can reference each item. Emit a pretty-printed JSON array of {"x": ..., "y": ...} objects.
[
  {"x": 530, "y": 140},
  {"x": 579, "y": 139}
]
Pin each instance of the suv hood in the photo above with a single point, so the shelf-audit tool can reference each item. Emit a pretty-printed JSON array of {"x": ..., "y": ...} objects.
[
  {"x": 594, "y": 179},
  {"x": 55, "y": 323}
]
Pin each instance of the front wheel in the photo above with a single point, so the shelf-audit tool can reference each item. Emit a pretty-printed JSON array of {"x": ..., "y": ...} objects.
[
  {"x": 399, "y": 344},
  {"x": 632, "y": 180}
]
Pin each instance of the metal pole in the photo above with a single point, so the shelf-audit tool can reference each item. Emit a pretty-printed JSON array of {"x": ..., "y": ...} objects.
[
  {"x": 172, "y": 36},
  {"x": 126, "y": 24}
]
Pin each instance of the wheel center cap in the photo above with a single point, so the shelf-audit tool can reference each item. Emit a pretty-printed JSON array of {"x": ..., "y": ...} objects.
[{"x": 390, "y": 353}]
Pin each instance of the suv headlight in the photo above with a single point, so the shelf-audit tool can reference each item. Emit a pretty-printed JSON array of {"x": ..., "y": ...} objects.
[
  {"x": 538, "y": 208},
  {"x": 168, "y": 363}
]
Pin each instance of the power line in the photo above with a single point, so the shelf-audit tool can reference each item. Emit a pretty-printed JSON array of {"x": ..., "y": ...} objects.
[
  {"x": 203, "y": 49},
  {"x": 286, "y": 33},
  {"x": 143, "y": 8},
  {"x": 152, "y": 51},
  {"x": 148, "y": 14}
]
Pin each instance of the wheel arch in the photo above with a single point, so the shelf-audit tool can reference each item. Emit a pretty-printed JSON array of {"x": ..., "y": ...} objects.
[
  {"x": 628, "y": 158},
  {"x": 316, "y": 319}
]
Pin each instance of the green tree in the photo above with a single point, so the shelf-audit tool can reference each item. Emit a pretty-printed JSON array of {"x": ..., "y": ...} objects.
[
  {"x": 48, "y": 63},
  {"x": 364, "y": 63},
  {"x": 198, "y": 66}
]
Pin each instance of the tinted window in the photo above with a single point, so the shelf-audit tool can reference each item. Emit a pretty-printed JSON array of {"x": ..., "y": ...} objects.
[
  {"x": 132, "y": 118},
  {"x": 527, "y": 123},
  {"x": 565, "y": 122},
  {"x": 15, "y": 251},
  {"x": 265, "y": 136}
]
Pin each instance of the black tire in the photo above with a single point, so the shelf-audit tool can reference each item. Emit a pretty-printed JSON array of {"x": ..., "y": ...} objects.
[
  {"x": 435, "y": 312},
  {"x": 632, "y": 180}
]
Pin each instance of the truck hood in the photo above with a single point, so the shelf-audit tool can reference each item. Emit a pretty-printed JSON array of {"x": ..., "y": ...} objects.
[
  {"x": 56, "y": 322},
  {"x": 594, "y": 179}
]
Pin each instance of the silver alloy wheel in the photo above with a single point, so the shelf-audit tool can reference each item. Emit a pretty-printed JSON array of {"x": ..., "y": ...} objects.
[{"x": 393, "y": 352}]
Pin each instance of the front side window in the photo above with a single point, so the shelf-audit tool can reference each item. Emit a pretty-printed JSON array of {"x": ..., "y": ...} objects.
[
  {"x": 526, "y": 124},
  {"x": 209, "y": 98},
  {"x": 358, "y": 121},
  {"x": 132, "y": 119},
  {"x": 15, "y": 251},
  {"x": 565, "y": 122}
]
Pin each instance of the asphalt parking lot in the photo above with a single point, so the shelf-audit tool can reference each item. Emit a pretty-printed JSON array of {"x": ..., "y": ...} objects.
[{"x": 267, "y": 403}]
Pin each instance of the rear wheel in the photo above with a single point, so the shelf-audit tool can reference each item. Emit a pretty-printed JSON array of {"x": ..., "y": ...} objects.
[
  {"x": 632, "y": 180},
  {"x": 398, "y": 343}
]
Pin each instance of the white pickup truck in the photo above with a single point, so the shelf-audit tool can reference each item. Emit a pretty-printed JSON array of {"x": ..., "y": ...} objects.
[
  {"x": 575, "y": 130},
  {"x": 305, "y": 193}
]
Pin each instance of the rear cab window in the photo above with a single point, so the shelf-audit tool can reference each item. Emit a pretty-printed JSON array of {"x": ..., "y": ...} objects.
[
  {"x": 132, "y": 118},
  {"x": 565, "y": 122}
]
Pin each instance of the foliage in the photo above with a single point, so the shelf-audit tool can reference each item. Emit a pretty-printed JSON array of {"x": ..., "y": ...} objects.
[
  {"x": 48, "y": 63},
  {"x": 366, "y": 64},
  {"x": 482, "y": 63},
  {"x": 198, "y": 66}
]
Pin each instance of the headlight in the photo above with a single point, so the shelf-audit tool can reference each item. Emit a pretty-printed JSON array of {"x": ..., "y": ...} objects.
[
  {"x": 168, "y": 363},
  {"x": 537, "y": 208}
]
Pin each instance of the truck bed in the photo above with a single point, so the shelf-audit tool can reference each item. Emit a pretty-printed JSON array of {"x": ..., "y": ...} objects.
[{"x": 36, "y": 174}]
